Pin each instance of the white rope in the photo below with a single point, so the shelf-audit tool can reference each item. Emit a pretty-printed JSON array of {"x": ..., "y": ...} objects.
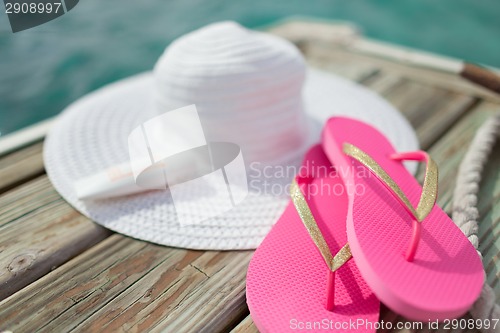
[{"x": 465, "y": 212}]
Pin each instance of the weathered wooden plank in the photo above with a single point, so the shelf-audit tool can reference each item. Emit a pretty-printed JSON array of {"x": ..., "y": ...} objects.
[
  {"x": 218, "y": 304},
  {"x": 38, "y": 232},
  {"x": 340, "y": 42},
  {"x": 34, "y": 195},
  {"x": 125, "y": 284},
  {"x": 438, "y": 79},
  {"x": 453, "y": 106},
  {"x": 450, "y": 149},
  {"x": 303, "y": 31},
  {"x": 246, "y": 326},
  {"x": 341, "y": 66},
  {"x": 108, "y": 266},
  {"x": 430, "y": 110},
  {"x": 20, "y": 166},
  {"x": 383, "y": 82}
]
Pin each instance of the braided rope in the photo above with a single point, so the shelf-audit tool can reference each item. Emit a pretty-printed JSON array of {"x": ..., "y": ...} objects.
[{"x": 465, "y": 212}]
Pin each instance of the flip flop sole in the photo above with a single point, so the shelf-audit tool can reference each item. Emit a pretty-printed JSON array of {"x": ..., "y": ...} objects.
[
  {"x": 446, "y": 275},
  {"x": 287, "y": 276}
]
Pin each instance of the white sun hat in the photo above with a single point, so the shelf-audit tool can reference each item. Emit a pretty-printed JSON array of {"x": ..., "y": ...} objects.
[{"x": 250, "y": 88}]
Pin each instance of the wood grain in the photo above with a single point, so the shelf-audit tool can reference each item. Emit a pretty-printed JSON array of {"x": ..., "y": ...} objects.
[
  {"x": 431, "y": 111},
  {"x": 21, "y": 165},
  {"x": 38, "y": 232},
  {"x": 246, "y": 326},
  {"x": 124, "y": 284},
  {"x": 337, "y": 41},
  {"x": 450, "y": 149}
]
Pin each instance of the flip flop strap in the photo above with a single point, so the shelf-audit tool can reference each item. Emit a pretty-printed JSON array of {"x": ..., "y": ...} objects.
[
  {"x": 430, "y": 186},
  {"x": 300, "y": 203}
]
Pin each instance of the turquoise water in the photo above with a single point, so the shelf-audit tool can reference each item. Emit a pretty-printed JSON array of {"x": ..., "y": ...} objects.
[{"x": 44, "y": 69}]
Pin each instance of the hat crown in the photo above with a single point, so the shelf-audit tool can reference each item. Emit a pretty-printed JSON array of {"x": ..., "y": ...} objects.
[{"x": 247, "y": 87}]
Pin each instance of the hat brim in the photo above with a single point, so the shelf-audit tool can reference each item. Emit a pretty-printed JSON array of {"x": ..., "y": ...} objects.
[{"x": 91, "y": 135}]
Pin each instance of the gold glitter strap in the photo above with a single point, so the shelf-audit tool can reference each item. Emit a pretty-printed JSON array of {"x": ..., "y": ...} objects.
[
  {"x": 333, "y": 262},
  {"x": 429, "y": 188}
]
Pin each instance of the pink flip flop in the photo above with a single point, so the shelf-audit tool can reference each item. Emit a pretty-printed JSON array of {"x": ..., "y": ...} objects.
[
  {"x": 408, "y": 250},
  {"x": 301, "y": 277}
]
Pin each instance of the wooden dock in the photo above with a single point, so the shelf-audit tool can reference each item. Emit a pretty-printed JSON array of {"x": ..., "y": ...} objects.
[{"x": 61, "y": 272}]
